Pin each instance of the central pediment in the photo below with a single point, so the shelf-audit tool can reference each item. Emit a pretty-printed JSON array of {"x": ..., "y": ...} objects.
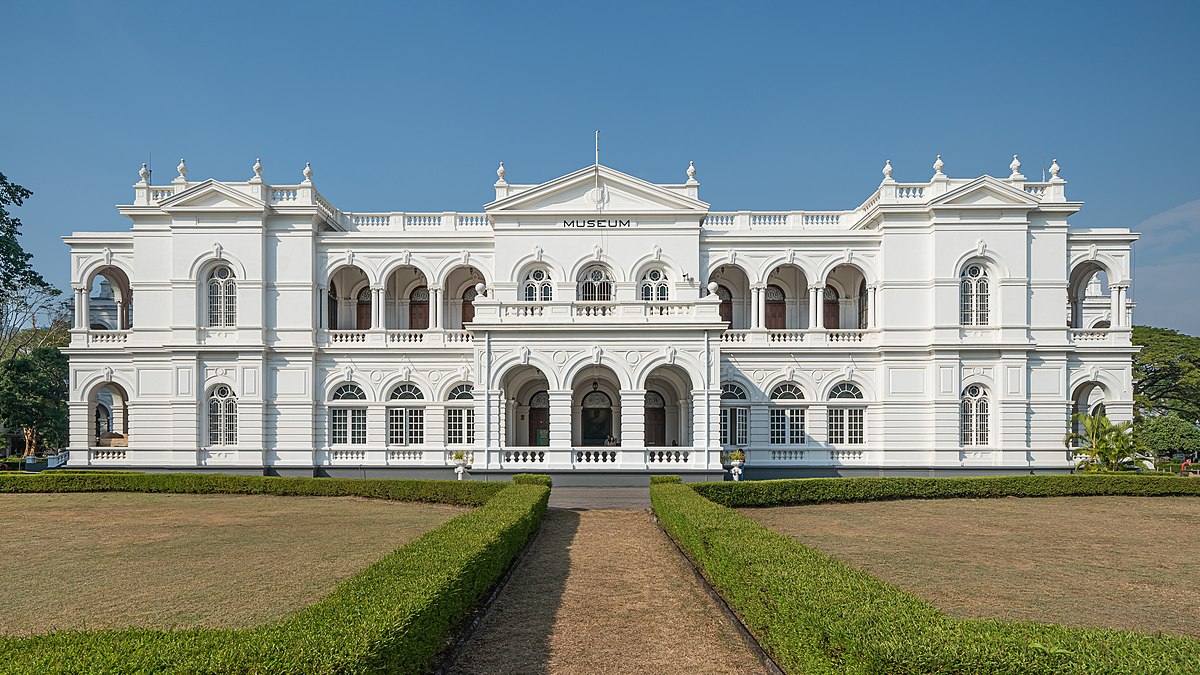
[
  {"x": 597, "y": 189},
  {"x": 211, "y": 196}
]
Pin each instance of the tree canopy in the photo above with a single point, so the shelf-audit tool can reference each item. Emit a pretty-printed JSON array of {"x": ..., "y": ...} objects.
[
  {"x": 26, "y": 300},
  {"x": 1166, "y": 373},
  {"x": 33, "y": 397},
  {"x": 1166, "y": 435}
]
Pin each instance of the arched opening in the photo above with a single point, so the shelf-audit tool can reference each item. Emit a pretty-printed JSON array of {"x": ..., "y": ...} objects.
[
  {"x": 787, "y": 298},
  {"x": 735, "y": 416},
  {"x": 654, "y": 285},
  {"x": 596, "y": 409},
  {"x": 406, "y": 300},
  {"x": 655, "y": 408},
  {"x": 349, "y": 300},
  {"x": 109, "y": 304},
  {"x": 537, "y": 286},
  {"x": 595, "y": 284},
  {"x": 221, "y": 297},
  {"x": 974, "y": 416},
  {"x": 108, "y": 403},
  {"x": 668, "y": 407},
  {"x": 460, "y": 296},
  {"x": 527, "y": 407},
  {"x": 733, "y": 287},
  {"x": 418, "y": 308},
  {"x": 975, "y": 295},
  {"x": 1089, "y": 398},
  {"x": 1090, "y": 300},
  {"x": 846, "y": 416},
  {"x": 846, "y": 300},
  {"x": 775, "y": 308},
  {"x": 406, "y": 415},
  {"x": 788, "y": 415},
  {"x": 222, "y": 416}
]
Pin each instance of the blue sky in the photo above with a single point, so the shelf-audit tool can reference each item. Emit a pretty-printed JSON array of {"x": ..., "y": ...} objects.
[{"x": 781, "y": 105}]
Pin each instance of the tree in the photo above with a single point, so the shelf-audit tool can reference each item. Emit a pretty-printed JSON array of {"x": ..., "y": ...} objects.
[
  {"x": 1166, "y": 435},
  {"x": 1104, "y": 446},
  {"x": 26, "y": 300},
  {"x": 33, "y": 397},
  {"x": 1166, "y": 373}
]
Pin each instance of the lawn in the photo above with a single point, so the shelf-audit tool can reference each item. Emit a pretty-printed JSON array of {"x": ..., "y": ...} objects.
[
  {"x": 115, "y": 560},
  {"x": 1131, "y": 563}
]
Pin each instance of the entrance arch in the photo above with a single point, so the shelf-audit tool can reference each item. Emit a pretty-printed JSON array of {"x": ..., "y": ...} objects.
[
  {"x": 673, "y": 386},
  {"x": 524, "y": 390},
  {"x": 595, "y": 406}
]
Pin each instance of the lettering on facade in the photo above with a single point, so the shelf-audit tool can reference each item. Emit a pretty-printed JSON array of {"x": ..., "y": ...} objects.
[{"x": 599, "y": 222}]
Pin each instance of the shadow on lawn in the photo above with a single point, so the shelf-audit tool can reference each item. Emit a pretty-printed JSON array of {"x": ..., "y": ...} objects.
[{"x": 514, "y": 637}]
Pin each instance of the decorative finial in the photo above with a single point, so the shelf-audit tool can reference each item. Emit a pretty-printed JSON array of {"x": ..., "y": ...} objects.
[
  {"x": 308, "y": 171},
  {"x": 144, "y": 173},
  {"x": 887, "y": 170},
  {"x": 258, "y": 168},
  {"x": 1054, "y": 169},
  {"x": 182, "y": 169},
  {"x": 501, "y": 172},
  {"x": 1016, "y": 168},
  {"x": 691, "y": 171},
  {"x": 937, "y": 166}
]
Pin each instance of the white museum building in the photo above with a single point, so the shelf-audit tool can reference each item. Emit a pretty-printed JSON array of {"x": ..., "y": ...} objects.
[{"x": 598, "y": 327}]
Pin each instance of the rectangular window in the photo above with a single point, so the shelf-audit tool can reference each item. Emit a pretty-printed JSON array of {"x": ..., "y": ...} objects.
[
  {"x": 725, "y": 413},
  {"x": 743, "y": 426},
  {"x": 460, "y": 426},
  {"x": 735, "y": 426},
  {"x": 787, "y": 426},
  {"x": 779, "y": 426},
  {"x": 358, "y": 426},
  {"x": 416, "y": 426},
  {"x": 855, "y": 423},
  {"x": 339, "y": 426},
  {"x": 837, "y": 426},
  {"x": 396, "y": 434},
  {"x": 406, "y": 426}
]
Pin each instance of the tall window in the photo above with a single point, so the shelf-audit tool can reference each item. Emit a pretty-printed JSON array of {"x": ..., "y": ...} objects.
[
  {"x": 406, "y": 416},
  {"x": 348, "y": 423},
  {"x": 595, "y": 284},
  {"x": 975, "y": 416},
  {"x": 975, "y": 296},
  {"x": 537, "y": 286},
  {"x": 787, "y": 417},
  {"x": 654, "y": 286},
  {"x": 222, "y": 297},
  {"x": 735, "y": 415},
  {"x": 847, "y": 423},
  {"x": 460, "y": 421},
  {"x": 222, "y": 416}
]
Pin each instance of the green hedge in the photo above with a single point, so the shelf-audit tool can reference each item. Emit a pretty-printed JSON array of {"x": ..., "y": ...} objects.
[
  {"x": 395, "y": 616},
  {"x": 660, "y": 480},
  {"x": 797, "y": 491},
  {"x": 814, "y": 614},
  {"x": 532, "y": 479}
]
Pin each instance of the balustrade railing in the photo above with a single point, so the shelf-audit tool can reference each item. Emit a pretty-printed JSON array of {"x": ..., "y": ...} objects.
[
  {"x": 406, "y": 336},
  {"x": 594, "y": 309},
  {"x": 405, "y": 455},
  {"x": 1090, "y": 334},
  {"x": 108, "y": 337},
  {"x": 670, "y": 309},
  {"x": 347, "y": 336},
  {"x": 667, "y": 456},
  {"x": 845, "y": 335},
  {"x": 781, "y": 336},
  {"x": 524, "y": 456},
  {"x": 104, "y": 454},
  {"x": 596, "y": 456}
]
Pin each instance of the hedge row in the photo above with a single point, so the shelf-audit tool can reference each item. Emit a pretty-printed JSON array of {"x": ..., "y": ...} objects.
[
  {"x": 797, "y": 491},
  {"x": 656, "y": 480},
  {"x": 814, "y": 614},
  {"x": 395, "y": 616},
  {"x": 464, "y": 493},
  {"x": 532, "y": 479}
]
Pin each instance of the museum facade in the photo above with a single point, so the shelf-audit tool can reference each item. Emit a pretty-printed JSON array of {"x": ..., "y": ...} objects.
[{"x": 596, "y": 326}]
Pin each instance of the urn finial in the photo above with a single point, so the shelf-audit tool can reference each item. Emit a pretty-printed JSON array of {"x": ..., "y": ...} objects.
[
  {"x": 1016, "y": 169},
  {"x": 182, "y": 169},
  {"x": 887, "y": 170},
  {"x": 308, "y": 172},
  {"x": 691, "y": 170},
  {"x": 258, "y": 168},
  {"x": 501, "y": 172},
  {"x": 938, "y": 164},
  {"x": 1054, "y": 169},
  {"x": 144, "y": 173}
]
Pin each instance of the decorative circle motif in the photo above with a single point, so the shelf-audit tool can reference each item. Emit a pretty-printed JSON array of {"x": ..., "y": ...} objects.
[
  {"x": 222, "y": 392},
  {"x": 376, "y": 375},
  {"x": 632, "y": 357},
  {"x": 818, "y": 375},
  {"x": 538, "y": 275},
  {"x": 760, "y": 375},
  {"x": 655, "y": 275},
  {"x": 973, "y": 271},
  {"x": 973, "y": 390},
  {"x": 434, "y": 376},
  {"x": 597, "y": 275},
  {"x": 560, "y": 357}
]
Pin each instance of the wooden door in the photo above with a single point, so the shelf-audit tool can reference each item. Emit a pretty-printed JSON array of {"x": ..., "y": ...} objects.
[
  {"x": 362, "y": 317},
  {"x": 418, "y": 315},
  {"x": 776, "y": 318},
  {"x": 656, "y": 427},
  {"x": 539, "y": 426},
  {"x": 468, "y": 311},
  {"x": 833, "y": 310},
  {"x": 726, "y": 305}
]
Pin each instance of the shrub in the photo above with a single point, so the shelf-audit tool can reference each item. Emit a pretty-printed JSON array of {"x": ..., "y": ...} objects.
[
  {"x": 661, "y": 480},
  {"x": 532, "y": 479},
  {"x": 815, "y": 614},
  {"x": 394, "y": 616}
]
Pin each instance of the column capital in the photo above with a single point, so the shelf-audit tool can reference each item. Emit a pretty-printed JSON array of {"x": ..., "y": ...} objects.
[{"x": 816, "y": 287}]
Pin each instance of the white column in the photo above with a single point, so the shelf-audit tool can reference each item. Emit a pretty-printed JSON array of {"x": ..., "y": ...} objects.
[
  {"x": 560, "y": 418},
  {"x": 816, "y": 314},
  {"x": 1117, "y": 306},
  {"x": 376, "y": 308},
  {"x": 633, "y": 418},
  {"x": 80, "y": 308},
  {"x": 684, "y": 420},
  {"x": 435, "y": 307},
  {"x": 756, "y": 293},
  {"x": 872, "y": 314}
]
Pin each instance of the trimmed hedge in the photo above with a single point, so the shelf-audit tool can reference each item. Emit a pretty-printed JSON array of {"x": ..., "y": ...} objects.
[
  {"x": 395, "y": 616},
  {"x": 532, "y": 479},
  {"x": 661, "y": 480},
  {"x": 797, "y": 491},
  {"x": 814, "y": 614}
]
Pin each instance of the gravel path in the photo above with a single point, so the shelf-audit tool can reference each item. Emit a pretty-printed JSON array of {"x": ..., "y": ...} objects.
[{"x": 604, "y": 591}]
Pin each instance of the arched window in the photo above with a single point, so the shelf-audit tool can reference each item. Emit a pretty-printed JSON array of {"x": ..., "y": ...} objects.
[
  {"x": 726, "y": 308},
  {"x": 863, "y": 315},
  {"x": 974, "y": 296},
  {"x": 468, "y": 305},
  {"x": 846, "y": 423},
  {"x": 406, "y": 415},
  {"x": 418, "y": 308},
  {"x": 348, "y": 423},
  {"x": 460, "y": 420},
  {"x": 975, "y": 408},
  {"x": 735, "y": 415},
  {"x": 595, "y": 284},
  {"x": 537, "y": 286},
  {"x": 333, "y": 306},
  {"x": 362, "y": 309},
  {"x": 222, "y": 297},
  {"x": 775, "y": 304},
  {"x": 787, "y": 418},
  {"x": 654, "y": 286},
  {"x": 222, "y": 416}
]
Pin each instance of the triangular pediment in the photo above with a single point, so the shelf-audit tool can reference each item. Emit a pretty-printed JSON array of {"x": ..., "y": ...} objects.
[
  {"x": 212, "y": 196},
  {"x": 986, "y": 192},
  {"x": 577, "y": 193}
]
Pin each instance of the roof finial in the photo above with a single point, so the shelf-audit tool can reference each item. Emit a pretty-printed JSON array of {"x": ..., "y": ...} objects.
[
  {"x": 182, "y": 169},
  {"x": 1016, "y": 169},
  {"x": 1054, "y": 169},
  {"x": 144, "y": 173},
  {"x": 691, "y": 173},
  {"x": 258, "y": 168},
  {"x": 887, "y": 170},
  {"x": 937, "y": 167},
  {"x": 501, "y": 173},
  {"x": 308, "y": 172}
]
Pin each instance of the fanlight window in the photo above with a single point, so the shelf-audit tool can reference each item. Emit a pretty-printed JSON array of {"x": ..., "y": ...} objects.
[
  {"x": 975, "y": 416},
  {"x": 735, "y": 416},
  {"x": 845, "y": 390},
  {"x": 407, "y": 392},
  {"x": 460, "y": 421},
  {"x": 787, "y": 421},
  {"x": 595, "y": 285},
  {"x": 537, "y": 286},
  {"x": 655, "y": 400},
  {"x": 540, "y": 400},
  {"x": 775, "y": 294},
  {"x": 463, "y": 392},
  {"x": 731, "y": 391},
  {"x": 222, "y": 416},
  {"x": 420, "y": 294},
  {"x": 724, "y": 294},
  {"x": 654, "y": 285},
  {"x": 786, "y": 391},
  {"x": 975, "y": 298},
  {"x": 349, "y": 392},
  {"x": 222, "y": 297}
]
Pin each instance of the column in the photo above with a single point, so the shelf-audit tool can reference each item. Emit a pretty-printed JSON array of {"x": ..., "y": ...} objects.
[
  {"x": 120, "y": 315},
  {"x": 435, "y": 307},
  {"x": 376, "y": 308},
  {"x": 322, "y": 307},
  {"x": 756, "y": 293},
  {"x": 1118, "y": 307},
  {"x": 81, "y": 308},
  {"x": 684, "y": 421},
  {"x": 872, "y": 294},
  {"x": 1122, "y": 303},
  {"x": 816, "y": 317},
  {"x": 560, "y": 418},
  {"x": 633, "y": 419}
]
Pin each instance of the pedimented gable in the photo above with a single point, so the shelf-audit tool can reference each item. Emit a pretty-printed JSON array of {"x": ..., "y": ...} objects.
[
  {"x": 212, "y": 196},
  {"x": 577, "y": 193},
  {"x": 985, "y": 192}
]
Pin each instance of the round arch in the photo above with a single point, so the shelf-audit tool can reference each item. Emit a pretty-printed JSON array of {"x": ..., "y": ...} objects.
[
  {"x": 396, "y": 379},
  {"x": 447, "y": 268},
  {"x": 87, "y": 274},
  {"x": 1110, "y": 266},
  {"x": 581, "y": 363},
  {"x": 803, "y": 264},
  {"x": 202, "y": 263},
  {"x": 526, "y": 263},
  {"x": 868, "y": 391},
  {"x": 858, "y": 262},
  {"x": 988, "y": 258},
  {"x": 801, "y": 380},
  {"x": 503, "y": 367},
  {"x": 618, "y": 273},
  {"x": 338, "y": 379},
  {"x": 416, "y": 262},
  {"x": 684, "y": 361}
]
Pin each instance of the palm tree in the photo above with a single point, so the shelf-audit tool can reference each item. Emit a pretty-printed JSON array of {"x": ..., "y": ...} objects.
[{"x": 1104, "y": 446}]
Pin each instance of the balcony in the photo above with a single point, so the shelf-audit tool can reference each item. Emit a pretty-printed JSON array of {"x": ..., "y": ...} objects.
[
  {"x": 1100, "y": 337},
  {"x": 795, "y": 338},
  {"x": 399, "y": 339},
  {"x": 492, "y": 312}
]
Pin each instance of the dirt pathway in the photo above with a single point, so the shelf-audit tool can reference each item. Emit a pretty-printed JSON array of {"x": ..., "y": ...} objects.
[{"x": 604, "y": 592}]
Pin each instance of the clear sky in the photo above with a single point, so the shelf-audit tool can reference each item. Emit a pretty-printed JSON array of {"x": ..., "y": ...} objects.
[{"x": 781, "y": 105}]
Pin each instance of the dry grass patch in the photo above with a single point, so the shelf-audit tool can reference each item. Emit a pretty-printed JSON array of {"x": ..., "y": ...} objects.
[
  {"x": 604, "y": 592},
  {"x": 115, "y": 560},
  {"x": 1131, "y": 563}
]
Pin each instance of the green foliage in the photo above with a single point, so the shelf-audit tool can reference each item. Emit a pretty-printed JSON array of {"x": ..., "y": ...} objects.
[
  {"x": 395, "y": 616},
  {"x": 814, "y": 614},
  {"x": 1166, "y": 435},
  {"x": 1104, "y": 446},
  {"x": 532, "y": 479},
  {"x": 16, "y": 268},
  {"x": 660, "y": 480},
  {"x": 1166, "y": 373},
  {"x": 33, "y": 397}
]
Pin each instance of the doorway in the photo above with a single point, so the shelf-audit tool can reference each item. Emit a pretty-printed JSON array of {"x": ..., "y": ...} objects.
[
  {"x": 539, "y": 419},
  {"x": 596, "y": 418},
  {"x": 656, "y": 420}
]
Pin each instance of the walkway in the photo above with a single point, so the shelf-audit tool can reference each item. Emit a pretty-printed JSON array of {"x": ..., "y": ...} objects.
[
  {"x": 604, "y": 591},
  {"x": 587, "y": 498}
]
